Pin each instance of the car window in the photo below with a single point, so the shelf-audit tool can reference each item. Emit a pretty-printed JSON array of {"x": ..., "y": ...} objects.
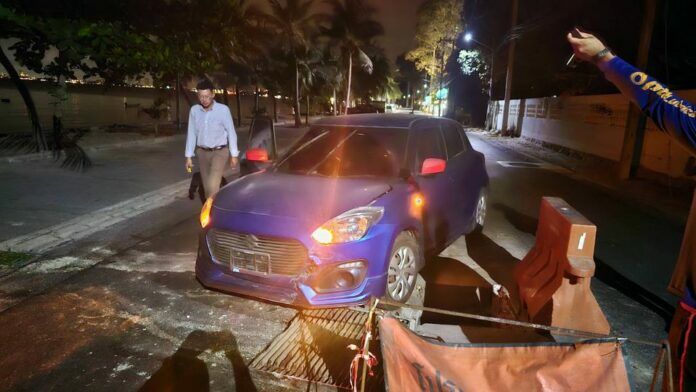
[
  {"x": 346, "y": 153},
  {"x": 429, "y": 145},
  {"x": 453, "y": 140},
  {"x": 467, "y": 143}
]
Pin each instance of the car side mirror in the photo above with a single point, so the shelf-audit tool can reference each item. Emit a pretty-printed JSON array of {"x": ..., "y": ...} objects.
[
  {"x": 257, "y": 155},
  {"x": 433, "y": 166}
]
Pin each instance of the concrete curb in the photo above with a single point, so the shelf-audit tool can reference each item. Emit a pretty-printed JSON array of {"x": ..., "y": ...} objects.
[{"x": 75, "y": 229}]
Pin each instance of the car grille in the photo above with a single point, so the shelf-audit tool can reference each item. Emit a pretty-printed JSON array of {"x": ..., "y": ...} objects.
[{"x": 285, "y": 256}]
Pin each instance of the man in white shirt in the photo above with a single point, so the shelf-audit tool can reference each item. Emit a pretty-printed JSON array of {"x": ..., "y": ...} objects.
[{"x": 211, "y": 137}]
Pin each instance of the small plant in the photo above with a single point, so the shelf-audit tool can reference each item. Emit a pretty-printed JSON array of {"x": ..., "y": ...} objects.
[{"x": 11, "y": 259}]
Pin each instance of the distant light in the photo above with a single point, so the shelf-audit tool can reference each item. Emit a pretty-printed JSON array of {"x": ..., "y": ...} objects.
[{"x": 468, "y": 37}]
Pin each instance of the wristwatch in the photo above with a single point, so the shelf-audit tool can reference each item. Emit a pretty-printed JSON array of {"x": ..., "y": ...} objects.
[{"x": 602, "y": 53}]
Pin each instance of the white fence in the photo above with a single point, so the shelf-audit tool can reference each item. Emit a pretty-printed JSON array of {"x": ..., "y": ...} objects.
[{"x": 592, "y": 124}]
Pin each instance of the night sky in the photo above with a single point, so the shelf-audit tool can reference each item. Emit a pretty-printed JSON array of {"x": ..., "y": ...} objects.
[{"x": 398, "y": 18}]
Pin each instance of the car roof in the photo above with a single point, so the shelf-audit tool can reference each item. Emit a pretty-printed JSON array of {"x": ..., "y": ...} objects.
[{"x": 375, "y": 120}]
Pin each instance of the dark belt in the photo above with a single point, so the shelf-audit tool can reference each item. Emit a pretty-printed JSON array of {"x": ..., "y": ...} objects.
[{"x": 211, "y": 148}]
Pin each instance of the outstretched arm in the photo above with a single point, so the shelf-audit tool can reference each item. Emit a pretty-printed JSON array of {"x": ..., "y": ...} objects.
[{"x": 670, "y": 113}]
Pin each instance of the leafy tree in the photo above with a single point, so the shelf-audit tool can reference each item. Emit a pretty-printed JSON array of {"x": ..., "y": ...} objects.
[
  {"x": 295, "y": 24},
  {"x": 439, "y": 25},
  {"x": 353, "y": 30},
  {"x": 409, "y": 78}
]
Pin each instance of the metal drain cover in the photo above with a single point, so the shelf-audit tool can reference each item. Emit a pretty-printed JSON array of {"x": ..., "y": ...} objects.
[{"x": 314, "y": 347}]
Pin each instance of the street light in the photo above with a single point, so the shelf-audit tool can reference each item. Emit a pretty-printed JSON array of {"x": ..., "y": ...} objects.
[{"x": 468, "y": 37}]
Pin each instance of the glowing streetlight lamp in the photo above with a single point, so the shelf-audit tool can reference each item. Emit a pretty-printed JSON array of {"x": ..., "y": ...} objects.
[{"x": 468, "y": 37}]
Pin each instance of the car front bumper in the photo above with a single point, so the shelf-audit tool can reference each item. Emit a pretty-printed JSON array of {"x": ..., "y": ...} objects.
[{"x": 299, "y": 290}]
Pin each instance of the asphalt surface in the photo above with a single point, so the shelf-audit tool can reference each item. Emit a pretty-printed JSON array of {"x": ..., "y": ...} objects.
[{"x": 122, "y": 310}]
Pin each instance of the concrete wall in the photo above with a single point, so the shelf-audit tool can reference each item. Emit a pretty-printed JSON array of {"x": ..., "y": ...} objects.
[{"x": 592, "y": 124}]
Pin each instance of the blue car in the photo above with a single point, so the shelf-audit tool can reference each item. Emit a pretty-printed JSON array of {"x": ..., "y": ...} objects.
[{"x": 348, "y": 213}]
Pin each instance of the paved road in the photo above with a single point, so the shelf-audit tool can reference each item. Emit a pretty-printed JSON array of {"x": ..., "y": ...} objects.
[
  {"x": 136, "y": 317},
  {"x": 39, "y": 194}
]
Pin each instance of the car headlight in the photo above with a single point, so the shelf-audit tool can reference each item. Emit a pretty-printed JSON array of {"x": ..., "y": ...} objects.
[
  {"x": 205, "y": 212},
  {"x": 349, "y": 226}
]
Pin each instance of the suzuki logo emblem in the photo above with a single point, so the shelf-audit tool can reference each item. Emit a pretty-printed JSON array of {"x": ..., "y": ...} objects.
[{"x": 252, "y": 241}]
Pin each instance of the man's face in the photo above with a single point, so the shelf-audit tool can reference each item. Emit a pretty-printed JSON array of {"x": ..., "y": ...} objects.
[{"x": 205, "y": 97}]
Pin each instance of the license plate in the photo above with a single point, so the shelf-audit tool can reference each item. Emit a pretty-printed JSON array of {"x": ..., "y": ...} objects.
[{"x": 244, "y": 260}]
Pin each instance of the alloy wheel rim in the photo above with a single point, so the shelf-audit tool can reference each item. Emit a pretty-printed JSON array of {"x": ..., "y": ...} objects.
[
  {"x": 481, "y": 210},
  {"x": 402, "y": 273}
]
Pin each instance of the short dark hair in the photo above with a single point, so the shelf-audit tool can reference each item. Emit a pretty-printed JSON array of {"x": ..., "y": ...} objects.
[{"x": 205, "y": 84}]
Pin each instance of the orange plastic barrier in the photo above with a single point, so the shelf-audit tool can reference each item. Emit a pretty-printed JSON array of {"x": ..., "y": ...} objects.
[
  {"x": 554, "y": 278},
  {"x": 412, "y": 363}
]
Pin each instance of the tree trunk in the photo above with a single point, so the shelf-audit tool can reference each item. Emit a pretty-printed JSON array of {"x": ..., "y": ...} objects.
[
  {"x": 298, "y": 119},
  {"x": 256, "y": 99},
  {"x": 178, "y": 102},
  {"x": 335, "y": 105},
  {"x": 225, "y": 98},
  {"x": 307, "y": 113},
  {"x": 39, "y": 138},
  {"x": 239, "y": 105},
  {"x": 186, "y": 97},
  {"x": 275, "y": 108},
  {"x": 350, "y": 80}
]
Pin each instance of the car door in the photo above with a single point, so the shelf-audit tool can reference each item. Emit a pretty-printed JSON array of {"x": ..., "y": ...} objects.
[
  {"x": 462, "y": 164},
  {"x": 437, "y": 188},
  {"x": 458, "y": 166}
]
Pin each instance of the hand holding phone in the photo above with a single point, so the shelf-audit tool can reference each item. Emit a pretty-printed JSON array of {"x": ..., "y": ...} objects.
[{"x": 576, "y": 34}]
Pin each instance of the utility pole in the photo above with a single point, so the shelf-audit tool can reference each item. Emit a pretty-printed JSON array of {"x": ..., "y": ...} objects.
[
  {"x": 489, "y": 114},
  {"x": 178, "y": 107},
  {"x": 632, "y": 148},
  {"x": 510, "y": 66}
]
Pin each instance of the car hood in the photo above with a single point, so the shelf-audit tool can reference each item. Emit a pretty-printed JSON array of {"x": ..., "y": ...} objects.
[{"x": 312, "y": 198}]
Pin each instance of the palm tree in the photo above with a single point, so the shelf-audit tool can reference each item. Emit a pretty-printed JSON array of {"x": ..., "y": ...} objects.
[
  {"x": 381, "y": 82},
  {"x": 353, "y": 29},
  {"x": 295, "y": 24}
]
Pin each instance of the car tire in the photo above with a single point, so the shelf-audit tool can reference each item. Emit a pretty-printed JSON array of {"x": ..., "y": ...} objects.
[
  {"x": 402, "y": 270},
  {"x": 481, "y": 211}
]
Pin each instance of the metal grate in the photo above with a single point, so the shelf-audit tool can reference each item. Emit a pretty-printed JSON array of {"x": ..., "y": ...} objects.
[
  {"x": 280, "y": 256},
  {"x": 314, "y": 347}
]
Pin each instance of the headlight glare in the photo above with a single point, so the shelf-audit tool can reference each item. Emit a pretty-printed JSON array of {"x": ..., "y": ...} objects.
[{"x": 349, "y": 226}]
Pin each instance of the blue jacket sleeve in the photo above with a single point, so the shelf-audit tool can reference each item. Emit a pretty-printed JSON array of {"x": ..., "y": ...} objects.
[{"x": 670, "y": 113}]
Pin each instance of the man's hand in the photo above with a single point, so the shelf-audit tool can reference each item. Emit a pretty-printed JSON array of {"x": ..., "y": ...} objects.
[
  {"x": 189, "y": 165},
  {"x": 234, "y": 161},
  {"x": 587, "y": 47}
]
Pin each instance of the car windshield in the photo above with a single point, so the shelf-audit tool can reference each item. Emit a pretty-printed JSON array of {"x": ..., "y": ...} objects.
[{"x": 345, "y": 152}]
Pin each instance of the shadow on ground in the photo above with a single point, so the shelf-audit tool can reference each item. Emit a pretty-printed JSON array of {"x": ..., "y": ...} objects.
[{"x": 185, "y": 371}]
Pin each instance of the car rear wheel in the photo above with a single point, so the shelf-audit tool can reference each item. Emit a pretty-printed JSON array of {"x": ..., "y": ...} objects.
[
  {"x": 403, "y": 268},
  {"x": 481, "y": 210}
]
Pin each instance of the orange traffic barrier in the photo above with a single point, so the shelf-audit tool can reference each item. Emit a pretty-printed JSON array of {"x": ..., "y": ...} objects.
[{"x": 554, "y": 278}]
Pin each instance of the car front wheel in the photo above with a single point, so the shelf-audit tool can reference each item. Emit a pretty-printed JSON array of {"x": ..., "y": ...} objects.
[
  {"x": 403, "y": 264},
  {"x": 481, "y": 210}
]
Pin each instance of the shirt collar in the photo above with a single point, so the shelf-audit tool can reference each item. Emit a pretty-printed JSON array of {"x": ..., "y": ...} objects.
[{"x": 212, "y": 109}]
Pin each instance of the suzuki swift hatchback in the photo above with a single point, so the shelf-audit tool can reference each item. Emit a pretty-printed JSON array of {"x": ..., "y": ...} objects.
[{"x": 349, "y": 212}]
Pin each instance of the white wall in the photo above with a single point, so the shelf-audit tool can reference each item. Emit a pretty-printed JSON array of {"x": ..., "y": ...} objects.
[{"x": 593, "y": 124}]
